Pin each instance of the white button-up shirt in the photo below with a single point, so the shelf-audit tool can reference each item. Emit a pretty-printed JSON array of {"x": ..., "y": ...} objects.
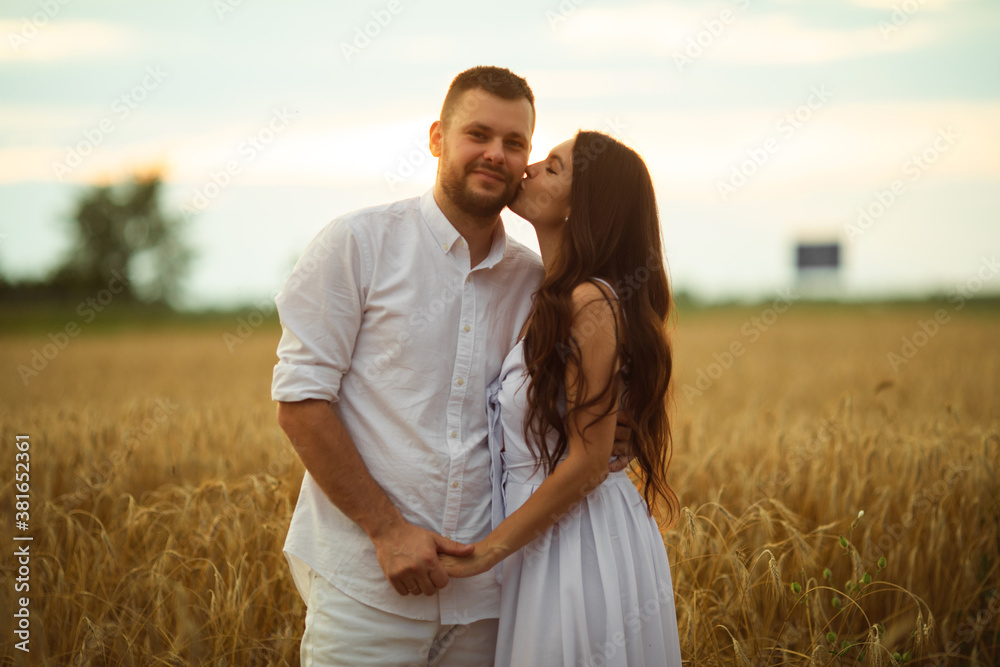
[{"x": 383, "y": 317}]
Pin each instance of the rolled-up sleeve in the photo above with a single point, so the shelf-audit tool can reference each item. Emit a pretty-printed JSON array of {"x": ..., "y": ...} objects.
[{"x": 320, "y": 308}]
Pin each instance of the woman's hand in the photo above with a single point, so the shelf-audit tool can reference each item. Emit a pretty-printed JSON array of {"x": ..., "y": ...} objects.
[{"x": 483, "y": 559}]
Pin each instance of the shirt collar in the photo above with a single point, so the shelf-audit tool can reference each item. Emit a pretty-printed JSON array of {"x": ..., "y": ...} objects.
[
  {"x": 446, "y": 235},
  {"x": 498, "y": 248},
  {"x": 443, "y": 231}
]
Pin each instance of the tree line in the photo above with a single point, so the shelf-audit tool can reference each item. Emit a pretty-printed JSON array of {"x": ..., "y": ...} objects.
[{"x": 121, "y": 236}]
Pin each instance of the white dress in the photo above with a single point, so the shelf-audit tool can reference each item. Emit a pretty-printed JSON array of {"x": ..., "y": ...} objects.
[{"x": 595, "y": 589}]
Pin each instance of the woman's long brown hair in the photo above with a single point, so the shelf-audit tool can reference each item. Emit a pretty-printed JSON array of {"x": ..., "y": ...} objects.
[{"x": 613, "y": 233}]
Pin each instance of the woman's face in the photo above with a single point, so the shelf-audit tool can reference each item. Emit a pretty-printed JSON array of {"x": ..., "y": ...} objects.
[{"x": 543, "y": 196}]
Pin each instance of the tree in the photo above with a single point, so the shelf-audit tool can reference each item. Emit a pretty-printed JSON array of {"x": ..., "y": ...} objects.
[{"x": 120, "y": 230}]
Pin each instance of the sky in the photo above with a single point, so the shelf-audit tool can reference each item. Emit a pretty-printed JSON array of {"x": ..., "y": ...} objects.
[{"x": 874, "y": 123}]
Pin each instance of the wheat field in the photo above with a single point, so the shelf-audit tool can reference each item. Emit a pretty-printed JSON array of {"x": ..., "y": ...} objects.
[{"x": 835, "y": 510}]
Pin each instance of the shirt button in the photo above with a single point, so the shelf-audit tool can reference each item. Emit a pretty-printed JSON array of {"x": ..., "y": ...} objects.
[
  {"x": 454, "y": 434},
  {"x": 467, "y": 328},
  {"x": 468, "y": 279},
  {"x": 460, "y": 382},
  {"x": 454, "y": 485},
  {"x": 445, "y": 246}
]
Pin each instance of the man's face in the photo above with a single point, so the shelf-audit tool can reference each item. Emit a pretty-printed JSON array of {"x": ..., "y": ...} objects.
[{"x": 483, "y": 151}]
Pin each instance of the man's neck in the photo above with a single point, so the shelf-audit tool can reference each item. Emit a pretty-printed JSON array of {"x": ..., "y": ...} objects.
[{"x": 477, "y": 232}]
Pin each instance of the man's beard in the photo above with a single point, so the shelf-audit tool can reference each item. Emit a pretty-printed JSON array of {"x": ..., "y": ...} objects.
[{"x": 473, "y": 203}]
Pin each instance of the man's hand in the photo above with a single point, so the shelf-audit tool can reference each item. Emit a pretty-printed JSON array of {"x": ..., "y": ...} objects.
[
  {"x": 622, "y": 451},
  {"x": 408, "y": 556}
]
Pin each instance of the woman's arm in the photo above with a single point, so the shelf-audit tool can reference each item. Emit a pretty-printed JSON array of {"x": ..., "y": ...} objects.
[{"x": 589, "y": 442}]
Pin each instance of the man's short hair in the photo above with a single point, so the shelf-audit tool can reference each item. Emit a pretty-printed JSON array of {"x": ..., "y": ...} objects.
[{"x": 498, "y": 81}]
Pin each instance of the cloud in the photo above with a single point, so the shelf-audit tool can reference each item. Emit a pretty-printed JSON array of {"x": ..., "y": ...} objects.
[
  {"x": 842, "y": 147},
  {"x": 890, "y": 5},
  {"x": 591, "y": 83},
  {"x": 321, "y": 149},
  {"x": 783, "y": 40},
  {"x": 726, "y": 33},
  {"x": 839, "y": 148},
  {"x": 32, "y": 40},
  {"x": 29, "y": 117}
]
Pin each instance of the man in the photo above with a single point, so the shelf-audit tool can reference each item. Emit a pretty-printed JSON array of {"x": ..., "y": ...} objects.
[{"x": 393, "y": 322}]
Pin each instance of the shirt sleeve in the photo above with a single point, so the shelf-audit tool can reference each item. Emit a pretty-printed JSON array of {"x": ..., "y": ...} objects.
[{"x": 320, "y": 308}]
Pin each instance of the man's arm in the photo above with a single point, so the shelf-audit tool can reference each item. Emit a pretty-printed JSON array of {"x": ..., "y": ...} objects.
[{"x": 407, "y": 554}]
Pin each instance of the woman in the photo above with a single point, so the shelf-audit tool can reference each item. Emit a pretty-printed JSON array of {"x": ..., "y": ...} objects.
[{"x": 591, "y": 585}]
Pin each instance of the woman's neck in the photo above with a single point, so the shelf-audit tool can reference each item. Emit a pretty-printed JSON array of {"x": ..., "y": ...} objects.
[{"x": 548, "y": 244}]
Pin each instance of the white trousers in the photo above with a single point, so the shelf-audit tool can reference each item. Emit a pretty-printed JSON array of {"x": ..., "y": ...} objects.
[{"x": 342, "y": 632}]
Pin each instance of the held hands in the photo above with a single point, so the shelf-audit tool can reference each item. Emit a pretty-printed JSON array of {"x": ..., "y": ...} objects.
[
  {"x": 417, "y": 561},
  {"x": 482, "y": 559},
  {"x": 408, "y": 555}
]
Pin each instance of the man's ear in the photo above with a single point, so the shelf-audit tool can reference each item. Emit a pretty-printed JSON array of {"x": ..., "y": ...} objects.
[{"x": 436, "y": 135}]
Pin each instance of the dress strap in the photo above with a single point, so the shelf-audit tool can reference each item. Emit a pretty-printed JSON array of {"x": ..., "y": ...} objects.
[
  {"x": 602, "y": 280},
  {"x": 623, "y": 369},
  {"x": 610, "y": 287}
]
